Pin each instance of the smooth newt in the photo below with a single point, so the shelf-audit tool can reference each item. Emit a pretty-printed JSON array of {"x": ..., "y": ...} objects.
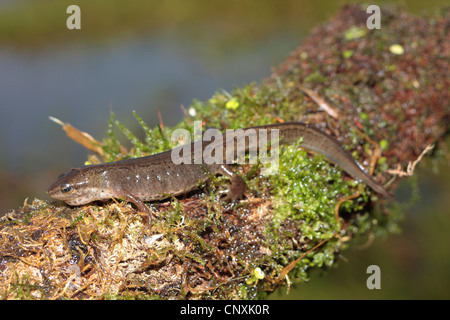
[{"x": 157, "y": 177}]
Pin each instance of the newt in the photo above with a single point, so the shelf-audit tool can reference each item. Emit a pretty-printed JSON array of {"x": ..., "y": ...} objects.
[{"x": 156, "y": 177}]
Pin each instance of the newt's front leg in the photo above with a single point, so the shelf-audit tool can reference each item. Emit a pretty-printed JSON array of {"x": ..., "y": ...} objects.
[{"x": 139, "y": 205}]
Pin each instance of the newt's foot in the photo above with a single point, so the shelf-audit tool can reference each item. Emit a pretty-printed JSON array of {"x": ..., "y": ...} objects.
[{"x": 236, "y": 190}]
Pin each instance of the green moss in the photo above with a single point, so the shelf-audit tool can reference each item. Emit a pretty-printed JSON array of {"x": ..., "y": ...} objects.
[
  {"x": 78, "y": 218},
  {"x": 25, "y": 289}
]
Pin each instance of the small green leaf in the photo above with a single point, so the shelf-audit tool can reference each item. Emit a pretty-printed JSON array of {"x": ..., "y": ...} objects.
[
  {"x": 232, "y": 104},
  {"x": 396, "y": 49},
  {"x": 258, "y": 273},
  {"x": 347, "y": 54},
  {"x": 384, "y": 144}
]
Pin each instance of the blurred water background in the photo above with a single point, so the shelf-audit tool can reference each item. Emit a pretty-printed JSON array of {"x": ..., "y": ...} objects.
[{"x": 152, "y": 56}]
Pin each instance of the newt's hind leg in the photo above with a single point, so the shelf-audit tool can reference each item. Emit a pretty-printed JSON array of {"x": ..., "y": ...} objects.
[{"x": 237, "y": 186}]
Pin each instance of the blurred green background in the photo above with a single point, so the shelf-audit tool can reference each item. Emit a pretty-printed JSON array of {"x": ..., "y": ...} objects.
[{"x": 154, "y": 56}]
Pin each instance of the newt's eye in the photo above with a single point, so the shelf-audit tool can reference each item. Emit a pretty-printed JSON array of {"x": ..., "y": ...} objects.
[{"x": 66, "y": 188}]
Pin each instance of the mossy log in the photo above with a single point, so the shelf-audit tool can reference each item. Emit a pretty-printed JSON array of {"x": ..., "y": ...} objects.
[{"x": 382, "y": 93}]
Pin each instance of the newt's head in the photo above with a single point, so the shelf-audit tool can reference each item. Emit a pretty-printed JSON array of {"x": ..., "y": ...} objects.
[{"x": 75, "y": 188}]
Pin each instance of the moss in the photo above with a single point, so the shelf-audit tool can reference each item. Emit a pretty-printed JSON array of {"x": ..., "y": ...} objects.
[{"x": 290, "y": 223}]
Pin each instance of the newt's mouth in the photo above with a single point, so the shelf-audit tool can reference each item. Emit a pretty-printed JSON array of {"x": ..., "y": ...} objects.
[{"x": 78, "y": 201}]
